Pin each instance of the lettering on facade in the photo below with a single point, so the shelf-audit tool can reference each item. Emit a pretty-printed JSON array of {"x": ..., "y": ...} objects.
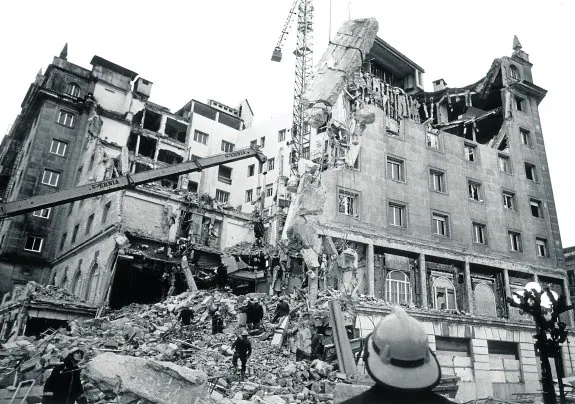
[{"x": 105, "y": 184}]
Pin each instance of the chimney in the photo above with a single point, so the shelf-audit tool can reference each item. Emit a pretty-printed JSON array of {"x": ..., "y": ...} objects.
[{"x": 439, "y": 85}]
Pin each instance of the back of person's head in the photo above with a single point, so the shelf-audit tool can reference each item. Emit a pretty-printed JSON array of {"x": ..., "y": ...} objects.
[{"x": 397, "y": 354}]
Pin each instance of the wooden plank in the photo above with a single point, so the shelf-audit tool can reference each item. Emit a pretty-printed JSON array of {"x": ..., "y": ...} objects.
[
  {"x": 280, "y": 332},
  {"x": 345, "y": 357},
  {"x": 189, "y": 277}
]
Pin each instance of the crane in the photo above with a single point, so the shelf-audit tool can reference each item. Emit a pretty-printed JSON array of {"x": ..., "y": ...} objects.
[
  {"x": 300, "y": 146},
  {"x": 19, "y": 207}
]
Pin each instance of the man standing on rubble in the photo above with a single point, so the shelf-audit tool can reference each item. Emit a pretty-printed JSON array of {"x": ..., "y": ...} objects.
[
  {"x": 222, "y": 276},
  {"x": 243, "y": 350},
  {"x": 63, "y": 386},
  {"x": 282, "y": 309},
  {"x": 217, "y": 323},
  {"x": 257, "y": 313}
]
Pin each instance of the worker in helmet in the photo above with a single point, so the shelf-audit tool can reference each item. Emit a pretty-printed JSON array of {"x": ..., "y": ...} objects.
[
  {"x": 398, "y": 358},
  {"x": 64, "y": 386},
  {"x": 242, "y": 350}
]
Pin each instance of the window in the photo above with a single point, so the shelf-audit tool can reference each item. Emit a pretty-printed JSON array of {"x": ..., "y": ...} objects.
[
  {"x": 514, "y": 72},
  {"x": 525, "y": 137},
  {"x": 106, "y": 211},
  {"x": 269, "y": 190},
  {"x": 433, "y": 140},
  {"x": 515, "y": 241},
  {"x": 79, "y": 174},
  {"x": 251, "y": 170},
  {"x": 271, "y": 163},
  {"x": 348, "y": 203},
  {"x": 392, "y": 126},
  {"x": 479, "y": 233},
  {"x": 75, "y": 233},
  {"x": 504, "y": 163},
  {"x": 395, "y": 169},
  {"x": 222, "y": 196},
  {"x": 66, "y": 119},
  {"x": 89, "y": 224},
  {"x": 192, "y": 186},
  {"x": 282, "y": 135},
  {"x": 469, "y": 150},
  {"x": 43, "y": 213},
  {"x": 519, "y": 103},
  {"x": 397, "y": 287},
  {"x": 474, "y": 191},
  {"x": 200, "y": 137},
  {"x": 225, "y": 174},
  {"x": 530, "y": 172},
  {"x": 443, "y": 294},
  {"x": 509, "y": 201},
  {"x": 51, "y": 178},
  {"x": 58, "y": 147},
  {"x": 249, "y": 195},
  {"x": 73, "y": 90},
  {"x": 254, "y": 143},
  {"x": 258, "y": 192},
  {"x": 34, "y": 244},
  {"x": 541, "y": 245},
  {"x": 571, "y": 277},
  {"x": 396, "y": 215},
  {"x": 262, "y": 141},
  {"x": 70, "y": 208},
  {"x": 63, "y": 240},
  {"x": 437, "y": 179},
  {"x": 484, "y": 298},
  {"x": 440, "y": 225},
  {"x": 227, "y": 146}
]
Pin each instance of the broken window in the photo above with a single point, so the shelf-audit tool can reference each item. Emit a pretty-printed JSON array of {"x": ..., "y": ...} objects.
[
  {"x": 185, "y": 223},
  {"x": 514, "y": 72},
  {"x": 525, "y": 137},
  {"x": 66, "y": 118},
  {"x": 541, "y": 244},
  {"x": 479, "y": 233},
  {"x": 484, "y": 298},
  {"x": 397, "y": 287},
  {"x": 515, "y": 241},
  {"x": 227, "y": 147},
  {"x": 169, "y": 157},
  {"x": 249, "y": 195},
  {"x": 152, "y": 121},
  {"x": 176, "y": 130},
  {"x": 504, "y": 163},
  {"x": 230, "y": 121},
  {"x": 51, "y": 177},
  {"x": 251, "y": 170},
  {"x": 34, "y": 244},
  {"x": 75, "y": 233},
  {"x": 147, "y": 147},
  {"x": 171, "y": 182},
  {"x": 63, "y": 240},
  {"x": 509, "y": 200},
  {"x": 530, "y": 172},
  {"x": 132, "y": 142},
  {"x": 396, "y": 215},
  {"x": 348, "y": 203},
  {"x": 222, "y": 196},
  {"x": 73, "y": 89},
  {"x": 282, "y": 135},
  {"x": 141, "y": 167},
  {"x": 395, "y": 169},
  {"x": 58, "y": 147},
  {"x": 89, "y": 224},
  {"x": 205, "y": 111},
  {"x": 474, "y": 190},
  {"x": 443, "y": 294},
  {"x": 469, "y": 152},
  {"x": 263, "y": 141},
  {"x": 391, "y": 126},
  {"x": 271, "y": 163},
  {"x": 254, "y": 143},
  {"x": 192, "y": 186},
  {"x": 43, "y": 213},
  {"x": 137, "y": 119},
  {"x": 200, "y": 137},
  {"x": 106, "y": 211},
  {"x": 225, "y": 174},
  {"x": 520, "y": 104},
  {"x": 269, "y": 190},
  {"x": 437, "y": 179},
  {"x": 536, "y": 210},
  {"x": 440, "y": 225},
  {"x": 432, "y": 140}
]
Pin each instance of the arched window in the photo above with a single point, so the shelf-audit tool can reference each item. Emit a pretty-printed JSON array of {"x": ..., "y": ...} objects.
[
  {"x": 398, "y": 288},
  {"x": 92, "y": 282},
  {"x": 484, "y": 300},
  {"x": 73, "y": 89},
  {"x": 514, "y": 72},
  {"x": 444, "y": 294},
  {"x": 76, "y": 283},
  {"x": 63, "y": 279}
]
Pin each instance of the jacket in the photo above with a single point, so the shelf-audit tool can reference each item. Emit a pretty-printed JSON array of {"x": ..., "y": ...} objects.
[
  {"x": 243, "y": 347},
  {"x": 382, "y": 395},
  {"x": 64, "y": 386}
]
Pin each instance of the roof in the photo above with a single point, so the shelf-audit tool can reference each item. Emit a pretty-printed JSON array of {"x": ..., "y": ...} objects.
[
  {"x": 393, "y": 59},
  {"x": 99, "y": 61}
]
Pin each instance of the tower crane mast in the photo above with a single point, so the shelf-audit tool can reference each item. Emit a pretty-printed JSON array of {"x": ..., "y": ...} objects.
[{"x": 300, "y": 146}]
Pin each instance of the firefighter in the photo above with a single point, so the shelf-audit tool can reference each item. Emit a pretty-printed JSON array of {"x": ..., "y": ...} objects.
[{"x": 242, "y": 350}]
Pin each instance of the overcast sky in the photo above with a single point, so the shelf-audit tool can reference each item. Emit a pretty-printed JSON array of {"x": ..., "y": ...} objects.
[{"x": 221, "y": 49}]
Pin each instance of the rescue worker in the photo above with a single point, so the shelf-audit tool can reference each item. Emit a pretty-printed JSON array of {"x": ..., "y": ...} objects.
[
  {"x": 222, "y": 276},
  {"x": 186, "y": 316},
  {"x": 217, "y": 323},
  {"x": 248, "y": 309},
  {"x": 282, "y": 309},
  {"x": 242, "y": 350},
  {"x": 316, "y": 346},
  {"x": 398, "y": 358},
  {"x": 165, "y": 281},
  {"x": 63, "y": 386},
  {"x": 257, "y": 313}
]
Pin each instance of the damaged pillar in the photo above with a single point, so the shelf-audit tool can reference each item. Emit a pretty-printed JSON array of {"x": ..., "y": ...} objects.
[
  {"x": 506, "y": 283},
  {"x": 137, "y": 150},
  {"x": 468, "y": 289},
  {"x": 423, "y": 281},
  {"x": 370, "y": 267}
]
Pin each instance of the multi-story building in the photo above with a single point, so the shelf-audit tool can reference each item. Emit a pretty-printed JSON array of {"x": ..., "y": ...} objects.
[{"x": 569, "y": 254}]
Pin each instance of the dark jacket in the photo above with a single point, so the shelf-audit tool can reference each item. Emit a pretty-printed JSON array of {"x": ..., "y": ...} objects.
[
  {"x": 257, "y": 313},
  {"x": 64, "y": 384},
  {"x": 282, "y": 310},
  {"x": 186, "y": 316},
  {"x": 243, "y": 347},
  {"x": 381, "y": 395}
]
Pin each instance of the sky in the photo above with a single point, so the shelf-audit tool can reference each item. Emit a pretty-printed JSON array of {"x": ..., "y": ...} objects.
[{"x": 221, "y": 49}]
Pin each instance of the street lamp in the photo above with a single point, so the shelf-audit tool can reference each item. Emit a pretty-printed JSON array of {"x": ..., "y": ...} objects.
[{"x": 545, "y": 305}]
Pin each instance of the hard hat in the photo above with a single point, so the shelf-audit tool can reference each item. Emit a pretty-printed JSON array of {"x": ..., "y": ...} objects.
[
  {"x": 245, "y": 332},
  {"x": 398, "y": 354}
]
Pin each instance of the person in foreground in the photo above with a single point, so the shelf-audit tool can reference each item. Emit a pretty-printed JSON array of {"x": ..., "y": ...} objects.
[
  {"x": 63, "y": 386},
  {"x": 398, "y": 358}
]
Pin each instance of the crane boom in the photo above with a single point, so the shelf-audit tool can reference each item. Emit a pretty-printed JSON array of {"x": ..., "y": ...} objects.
[{"x": 15, "y": 208}]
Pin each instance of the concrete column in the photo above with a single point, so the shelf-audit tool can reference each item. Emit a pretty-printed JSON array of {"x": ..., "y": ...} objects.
[
  {"x": 423, "y": 280},
  {"x": 137, "y": 151},
  {"x": 157, "y": 150},
  {"x": 468, "y": 288},
  {"x": 370, "y": 267},
  {"x": 536, "y": 278},
  {"x": 568, "y": 301},
  {"x": 163, "y": 121},
  {"x": 506, "y": 282}
]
